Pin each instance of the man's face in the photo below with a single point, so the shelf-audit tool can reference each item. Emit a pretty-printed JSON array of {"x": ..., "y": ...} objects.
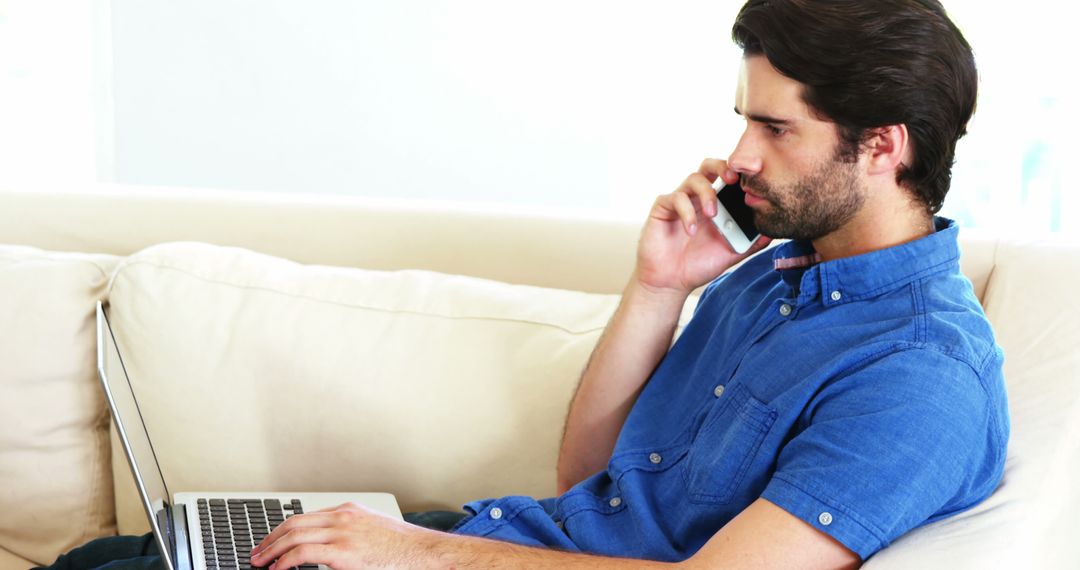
[{"x": 797, "y": 183}]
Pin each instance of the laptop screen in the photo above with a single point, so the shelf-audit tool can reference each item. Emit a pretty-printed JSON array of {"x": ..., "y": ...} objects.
[{"x": 132, "y": 431}]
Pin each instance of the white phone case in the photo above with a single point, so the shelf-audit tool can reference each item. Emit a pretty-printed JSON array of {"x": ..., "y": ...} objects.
[{"x": 727, "y": 225}]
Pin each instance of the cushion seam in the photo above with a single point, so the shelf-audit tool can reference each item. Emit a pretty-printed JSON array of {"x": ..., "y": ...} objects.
[
  {"x": 351, "y": 305},
  {"x": 58, "y": 257}
]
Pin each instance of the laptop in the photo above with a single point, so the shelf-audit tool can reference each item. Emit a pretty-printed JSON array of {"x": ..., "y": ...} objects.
[{"x": 201, "y": 530}]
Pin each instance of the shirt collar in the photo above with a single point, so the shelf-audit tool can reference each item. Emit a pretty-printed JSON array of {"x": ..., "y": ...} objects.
[{"x": 869, "y": 274}]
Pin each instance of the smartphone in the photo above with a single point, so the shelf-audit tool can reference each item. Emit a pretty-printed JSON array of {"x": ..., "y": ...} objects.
[{"x": 734, "y": 218}]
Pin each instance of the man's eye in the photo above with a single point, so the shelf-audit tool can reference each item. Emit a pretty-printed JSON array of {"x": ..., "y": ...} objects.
[{"x": 776, "y": 131}]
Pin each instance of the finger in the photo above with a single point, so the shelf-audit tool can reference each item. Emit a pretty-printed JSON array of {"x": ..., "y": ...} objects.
[
  {"x": 759, "y": 244},
  {"x": 664, "y": 207},
  {"x": 296, "y": 521},
  {"x": 686, "y": 210},
  {"x": 713, "y": 168},
  {"x": 307, "y": 554},
  {"x": 703, "y": 193},
  {"x": 290, "y": 541},
  {"x": 341, "y": 507}
]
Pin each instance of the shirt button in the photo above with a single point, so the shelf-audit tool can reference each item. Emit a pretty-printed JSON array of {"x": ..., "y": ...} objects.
[
  {"x": 496, "y": 513},
  {"x": 615, "y": 501},
  {"x": 825, "y": 519},
  {"x": 719, "y": 391},
  {"x": 655, "y": 458},
  {"x": 785, "y": 309},
  {"x": 835, "y": 296}
]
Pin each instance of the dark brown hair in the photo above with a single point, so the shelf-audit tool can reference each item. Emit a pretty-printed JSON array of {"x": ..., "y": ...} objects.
[{"x": 873, "y": 63}]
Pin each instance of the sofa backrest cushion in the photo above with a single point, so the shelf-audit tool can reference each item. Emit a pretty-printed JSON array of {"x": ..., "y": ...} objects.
[
  {"x": 259, "y": 373},
  {"x": 55, "y": 484}
]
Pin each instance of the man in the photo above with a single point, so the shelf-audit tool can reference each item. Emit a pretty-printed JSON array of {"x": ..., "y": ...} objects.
[{"x": 827, "y": 397}]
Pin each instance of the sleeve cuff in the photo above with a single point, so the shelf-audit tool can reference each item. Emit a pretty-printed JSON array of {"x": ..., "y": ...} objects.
[{"x": 834, "y": 520}]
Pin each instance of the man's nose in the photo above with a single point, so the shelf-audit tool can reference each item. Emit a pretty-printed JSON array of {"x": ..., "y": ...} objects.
[{"x": 745, "y": 159}]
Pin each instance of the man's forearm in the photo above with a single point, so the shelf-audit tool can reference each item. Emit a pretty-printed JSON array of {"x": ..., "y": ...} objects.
[
  {"x": 442, "y": 550},
  {"x": 632, "y": 345}
]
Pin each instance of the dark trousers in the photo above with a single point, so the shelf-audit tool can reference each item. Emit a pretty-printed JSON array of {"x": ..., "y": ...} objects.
[
  {"x": 141, "y": 552},
  {"x": 113, "y": 553}
]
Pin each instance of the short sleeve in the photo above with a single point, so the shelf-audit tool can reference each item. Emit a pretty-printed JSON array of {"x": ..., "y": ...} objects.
[{"x": 904, "y": 440}]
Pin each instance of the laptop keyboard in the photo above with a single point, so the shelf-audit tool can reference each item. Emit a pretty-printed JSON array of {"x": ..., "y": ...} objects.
[{"x": 231, "y": 528}]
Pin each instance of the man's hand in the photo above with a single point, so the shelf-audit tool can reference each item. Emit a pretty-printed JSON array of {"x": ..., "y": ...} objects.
[
  {"x": 347, "y": 536},
  {"x": 681, "y": 249}
]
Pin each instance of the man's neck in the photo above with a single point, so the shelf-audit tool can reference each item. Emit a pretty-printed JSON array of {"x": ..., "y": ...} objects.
[{"x": 877, "y": 226}]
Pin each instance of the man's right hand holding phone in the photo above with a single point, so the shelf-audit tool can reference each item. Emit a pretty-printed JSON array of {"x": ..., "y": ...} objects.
[{"x": 681, "y": 248}]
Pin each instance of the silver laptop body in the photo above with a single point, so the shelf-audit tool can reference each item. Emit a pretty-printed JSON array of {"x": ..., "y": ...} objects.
[{"x": 186, "y": 539}]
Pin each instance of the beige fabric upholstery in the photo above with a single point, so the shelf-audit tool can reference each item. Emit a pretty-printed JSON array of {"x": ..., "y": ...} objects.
[
  {"x": 439, "y": 388},
  {"x": 255, "y": 372},
  {"x": 561, "y": 249},
  {"x": 55, "y": 481},
  {"x": 11, "y": 561}
]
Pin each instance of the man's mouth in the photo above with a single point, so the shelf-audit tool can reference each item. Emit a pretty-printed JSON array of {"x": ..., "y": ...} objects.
[{"x": 751, "y": 198}]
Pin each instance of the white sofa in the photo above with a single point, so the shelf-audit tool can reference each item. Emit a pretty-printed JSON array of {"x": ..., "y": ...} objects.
[{"x": 443, "y": 383}]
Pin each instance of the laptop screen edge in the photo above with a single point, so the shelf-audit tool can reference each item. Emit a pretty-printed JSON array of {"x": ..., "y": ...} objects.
[{"x": 165, "y": 538}]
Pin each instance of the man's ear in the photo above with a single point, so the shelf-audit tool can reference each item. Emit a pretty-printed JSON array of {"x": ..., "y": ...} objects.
[{"x": 889, "y": 148}]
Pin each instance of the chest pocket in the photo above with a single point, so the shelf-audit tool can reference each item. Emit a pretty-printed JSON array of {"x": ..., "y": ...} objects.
[{"x": 725, "y": 446}]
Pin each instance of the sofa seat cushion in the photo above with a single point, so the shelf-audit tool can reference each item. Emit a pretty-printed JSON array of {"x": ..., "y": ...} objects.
[
  {"x": 55, "y": 482},
  {"x": 259, "y": 373},
  {"x": 13, "y": 561}
]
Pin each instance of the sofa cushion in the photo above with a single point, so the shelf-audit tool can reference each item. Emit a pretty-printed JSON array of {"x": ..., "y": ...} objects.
[
  {"x": 9, "y": 561},
  {"x": 55, "y": 483},
  {"x": 258, "y": 373}
]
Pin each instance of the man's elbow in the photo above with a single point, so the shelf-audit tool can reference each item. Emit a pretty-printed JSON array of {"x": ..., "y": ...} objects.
[
  {"x": 567, "y": 475},
  {"x": 563, "y": 481}
]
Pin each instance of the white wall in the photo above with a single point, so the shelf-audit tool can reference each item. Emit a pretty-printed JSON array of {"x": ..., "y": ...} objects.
[
  {"x": 592, "y": 105},
  {"x": 599, "y": 105},
  {"x": 48, "y": 101},
  {"x": 1013, "y": 171}
]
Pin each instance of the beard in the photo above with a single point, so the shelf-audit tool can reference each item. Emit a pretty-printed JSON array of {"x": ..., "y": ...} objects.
[{"x": 812, "y": 207}]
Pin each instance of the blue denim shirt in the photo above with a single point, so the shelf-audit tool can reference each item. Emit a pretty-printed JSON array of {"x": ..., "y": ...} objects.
[{"x": 862, "y": 395}]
